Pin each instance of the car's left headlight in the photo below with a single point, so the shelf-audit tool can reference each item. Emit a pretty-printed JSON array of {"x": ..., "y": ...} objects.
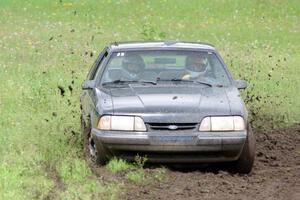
[
  {"x": 121, "y": 123},
  {"x": 222, "y": 123}
]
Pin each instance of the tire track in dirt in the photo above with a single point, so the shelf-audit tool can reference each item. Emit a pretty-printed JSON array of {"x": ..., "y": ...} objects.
[
  {"x": 276, "y": 175},
  {"x": 59, "y": 185}
]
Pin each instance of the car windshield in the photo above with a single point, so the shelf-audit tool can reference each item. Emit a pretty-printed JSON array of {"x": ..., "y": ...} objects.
[{"x": 160, "y": 66}]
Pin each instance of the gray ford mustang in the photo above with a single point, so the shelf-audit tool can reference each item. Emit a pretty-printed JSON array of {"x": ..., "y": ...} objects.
[{"x": 171, "y": 101}]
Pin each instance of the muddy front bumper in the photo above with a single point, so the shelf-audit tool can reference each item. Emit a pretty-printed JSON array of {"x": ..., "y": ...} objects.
[{"x": 172, "y": 146}]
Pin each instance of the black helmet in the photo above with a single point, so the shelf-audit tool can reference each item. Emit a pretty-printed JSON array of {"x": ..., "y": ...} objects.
[{"x": 133, "y": 63}]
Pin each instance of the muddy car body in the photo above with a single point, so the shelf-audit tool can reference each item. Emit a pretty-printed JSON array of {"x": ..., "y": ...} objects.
[{"x": 162, "y": 114}]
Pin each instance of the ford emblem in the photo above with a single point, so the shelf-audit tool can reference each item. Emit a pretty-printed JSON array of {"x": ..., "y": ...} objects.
[{"x": 173, "y": 127}]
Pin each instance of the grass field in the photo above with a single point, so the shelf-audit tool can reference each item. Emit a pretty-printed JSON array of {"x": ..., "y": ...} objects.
[{"x": 49, "y": 44}]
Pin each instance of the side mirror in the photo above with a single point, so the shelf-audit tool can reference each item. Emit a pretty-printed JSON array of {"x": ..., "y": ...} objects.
[
  {"x": 240, "y": 84},
  {"x": 88, "y": 84}
]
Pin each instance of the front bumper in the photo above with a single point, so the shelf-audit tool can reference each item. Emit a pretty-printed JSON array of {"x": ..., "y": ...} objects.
[{"x": 173, "y": 146}]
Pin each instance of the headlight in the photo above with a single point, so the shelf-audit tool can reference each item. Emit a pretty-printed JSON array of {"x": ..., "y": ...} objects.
[
  {"x": 228, "y": 123},
  {"x": 121, "y": 123}
]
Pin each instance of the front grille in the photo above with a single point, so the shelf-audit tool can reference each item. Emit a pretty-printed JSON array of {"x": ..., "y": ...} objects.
[{"x": 172, "y": 126}]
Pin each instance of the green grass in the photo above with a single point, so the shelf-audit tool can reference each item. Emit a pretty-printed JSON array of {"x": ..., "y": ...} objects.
[
  {"x": 137, "y": 176},
  {"x": 160, "y": 174},
  {"x": 118, "y": 165},
  {"x": 135, "y": 171},
  {"x": 145, "y": 176},
  {"x": 46, "y": 44}
]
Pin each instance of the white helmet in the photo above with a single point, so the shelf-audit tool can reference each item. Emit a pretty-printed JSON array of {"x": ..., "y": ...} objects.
[{"x": 196, "y": 64}]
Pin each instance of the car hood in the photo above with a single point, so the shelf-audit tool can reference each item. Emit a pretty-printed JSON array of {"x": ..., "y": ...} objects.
[{"x": 171, "y": 103}]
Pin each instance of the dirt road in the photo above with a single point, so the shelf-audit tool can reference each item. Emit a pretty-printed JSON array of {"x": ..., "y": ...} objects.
[{"x": 276, "y": 175}]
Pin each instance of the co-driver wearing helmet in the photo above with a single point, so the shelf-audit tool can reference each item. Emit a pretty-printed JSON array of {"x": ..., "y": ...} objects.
[{"x": 196, "y": 66}]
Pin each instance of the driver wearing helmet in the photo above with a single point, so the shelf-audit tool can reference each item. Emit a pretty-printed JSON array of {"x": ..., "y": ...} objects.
[
  {"x": 134, "y": 66},
  {"x": 196, "y": 66}
]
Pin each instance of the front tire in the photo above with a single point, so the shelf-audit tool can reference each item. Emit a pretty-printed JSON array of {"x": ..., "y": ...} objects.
[
  {"x": 91, "y": 150},
  {"x": 244, "y": 164}
]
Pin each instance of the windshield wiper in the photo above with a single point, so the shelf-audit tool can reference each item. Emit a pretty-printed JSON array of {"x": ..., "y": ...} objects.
[
  {"x": 200, "y": 82},
  {"x": 128, "y": 82},
  {"x": 203, "y": 83}
]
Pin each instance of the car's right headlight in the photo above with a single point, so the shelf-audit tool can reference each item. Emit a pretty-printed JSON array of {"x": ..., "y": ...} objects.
[
  {"x": 121, "y": 123},
  {"x": 222, "y": 123}
]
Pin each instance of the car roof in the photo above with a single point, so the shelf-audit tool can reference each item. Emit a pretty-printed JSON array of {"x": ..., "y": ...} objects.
[{"x": 136, "y": 45}]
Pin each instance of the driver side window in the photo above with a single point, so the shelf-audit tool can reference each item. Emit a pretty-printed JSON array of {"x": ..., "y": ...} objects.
[{"x": 97, "y": 65}]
